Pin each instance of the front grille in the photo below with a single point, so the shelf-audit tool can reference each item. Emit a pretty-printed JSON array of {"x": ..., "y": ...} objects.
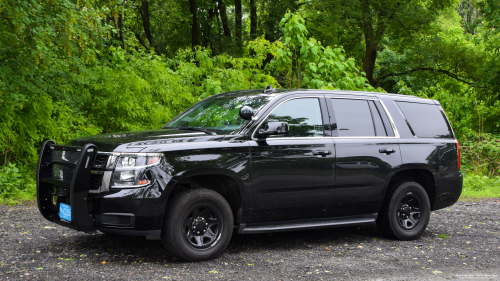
[
  {"x": 65, "y": 156},
  {"x": 100, "y": 161},
  {"x": 62, "y": 173},
  {"x": 95, "y": 181},
  {"x": 100, "y": 174}
]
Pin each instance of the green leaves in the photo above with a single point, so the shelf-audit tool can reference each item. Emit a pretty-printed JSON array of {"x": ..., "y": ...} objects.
[{"x": 308, "y": 64}]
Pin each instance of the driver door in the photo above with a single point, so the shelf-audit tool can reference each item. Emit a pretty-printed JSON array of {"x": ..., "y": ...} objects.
[{"x": 293, "y": 175}]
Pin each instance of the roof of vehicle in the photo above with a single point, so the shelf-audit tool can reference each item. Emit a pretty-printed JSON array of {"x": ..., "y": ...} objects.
[
  {"x": 285, "y": 91},
  {"x": 280, "y": 92}
]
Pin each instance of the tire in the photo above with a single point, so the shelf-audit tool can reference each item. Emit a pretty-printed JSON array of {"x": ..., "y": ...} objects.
[
  {"x": 198, "y": 225},
  {"x": 406, "y": 212}
]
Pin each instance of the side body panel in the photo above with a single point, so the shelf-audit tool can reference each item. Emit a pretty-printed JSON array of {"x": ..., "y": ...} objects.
[
  {"x": 224, "y": 156},
  {"x": 436, "y": 155},
  {"x": 362, "y": 173}
]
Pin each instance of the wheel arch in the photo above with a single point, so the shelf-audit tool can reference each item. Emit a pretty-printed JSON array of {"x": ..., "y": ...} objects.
[
  {"x": 223, "y": 181},
  {"x": 423, "y": 177}
]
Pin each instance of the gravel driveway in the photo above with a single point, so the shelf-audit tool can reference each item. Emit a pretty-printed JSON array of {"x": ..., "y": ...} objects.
[{"x": 461, "y": 242}]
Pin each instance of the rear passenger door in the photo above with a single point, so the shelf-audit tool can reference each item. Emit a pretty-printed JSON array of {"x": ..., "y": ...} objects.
[{"x": 367, "y": 151}]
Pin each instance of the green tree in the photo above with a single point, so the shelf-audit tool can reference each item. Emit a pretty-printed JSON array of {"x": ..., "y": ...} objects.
[
  {"x": 308, "y": 64},
  {"x": 373, "y": 22}
]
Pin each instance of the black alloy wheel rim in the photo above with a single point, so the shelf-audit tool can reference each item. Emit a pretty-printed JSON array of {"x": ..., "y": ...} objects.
[
  {"x": 202, "y": 226},
  {"x": 409, "y": 211}
]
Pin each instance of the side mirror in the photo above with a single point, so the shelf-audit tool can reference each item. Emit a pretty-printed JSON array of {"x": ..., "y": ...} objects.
[
  {"x": 273, "y": 128},
  {"x": 246, "y": 112}
]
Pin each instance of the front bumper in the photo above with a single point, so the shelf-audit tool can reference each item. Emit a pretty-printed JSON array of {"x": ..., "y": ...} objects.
[
  {"x": 65, "y": 176},
  {"x": 54, "y": 186}
]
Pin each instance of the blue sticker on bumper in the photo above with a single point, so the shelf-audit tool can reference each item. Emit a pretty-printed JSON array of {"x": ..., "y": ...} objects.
[{"x": 65, "y": 211}]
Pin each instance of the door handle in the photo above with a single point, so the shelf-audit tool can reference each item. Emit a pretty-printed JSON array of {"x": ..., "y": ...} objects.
[
  {"x": 321, "y": 152},
  {"x": 386, "y": 150}
]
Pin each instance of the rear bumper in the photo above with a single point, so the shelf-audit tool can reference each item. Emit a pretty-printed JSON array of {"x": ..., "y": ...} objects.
[{"x": 448, "y": 189}]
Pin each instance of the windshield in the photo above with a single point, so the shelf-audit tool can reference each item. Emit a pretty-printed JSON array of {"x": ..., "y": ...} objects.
[{"x": 219, "y": 114}]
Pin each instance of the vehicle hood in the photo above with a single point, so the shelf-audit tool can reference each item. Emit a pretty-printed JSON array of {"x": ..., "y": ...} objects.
[{"x": 139, "y": 140}]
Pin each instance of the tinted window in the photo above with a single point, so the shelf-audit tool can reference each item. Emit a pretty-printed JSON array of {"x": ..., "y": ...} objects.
[
  {"x": 425, "y": 120},
  {"x": 303, "y": 117},
  {"x": 353, "y": 118},
  {"x": 380, "y": 130}
]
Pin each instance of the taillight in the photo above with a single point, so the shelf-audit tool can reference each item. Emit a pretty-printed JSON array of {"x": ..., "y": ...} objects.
[{"x": 458, "y": 154}]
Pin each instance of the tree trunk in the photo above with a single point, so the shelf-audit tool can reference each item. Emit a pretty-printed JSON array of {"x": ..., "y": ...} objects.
[
  {"x": 208, "y": 27},
  {"x": 120, "y": 26},
  {"x": 238, "y": 24},
  {"x": 194, "y": 26},
  {"x": 223, "y": 16},
  {"x": 145, "y": 22},
  {"x": 370, "y": 58},
  {"x": 269, "y": 34},
  {"x": 253, "y": 19},
  {"x": 140, "y": 40},
  {"x": 370, "y": 43}
]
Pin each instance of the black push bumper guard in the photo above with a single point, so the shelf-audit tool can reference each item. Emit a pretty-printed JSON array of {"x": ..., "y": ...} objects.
[{"x": 53, "y": 188}]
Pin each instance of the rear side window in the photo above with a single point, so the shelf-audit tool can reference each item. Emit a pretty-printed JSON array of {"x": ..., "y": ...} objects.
[
  {"x": 425, "y": 120},
  {"x": 357, "y": 118},
  {"x": 380, "y": 130}
]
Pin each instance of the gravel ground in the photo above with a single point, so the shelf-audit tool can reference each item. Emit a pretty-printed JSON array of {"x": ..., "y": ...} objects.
[{"x": 461, "y": 242}]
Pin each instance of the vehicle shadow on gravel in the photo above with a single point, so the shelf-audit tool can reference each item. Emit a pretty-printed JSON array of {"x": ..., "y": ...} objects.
[{"x": 130, "y": 250}]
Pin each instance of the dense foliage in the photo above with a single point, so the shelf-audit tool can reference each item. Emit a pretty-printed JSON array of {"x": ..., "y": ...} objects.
[{"x": 70, "y": 68}]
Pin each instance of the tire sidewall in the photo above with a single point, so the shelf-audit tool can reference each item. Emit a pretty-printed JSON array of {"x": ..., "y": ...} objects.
[
  {"x": 403, "y": 190},
  {"x": 174, "y": 226}
]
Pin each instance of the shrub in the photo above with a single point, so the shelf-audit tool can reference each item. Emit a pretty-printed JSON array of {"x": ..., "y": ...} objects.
[
  {"x": 16, "y": 184},
  {"x": 480, "y": 154}
]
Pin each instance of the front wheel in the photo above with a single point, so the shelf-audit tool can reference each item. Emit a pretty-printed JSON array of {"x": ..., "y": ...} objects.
[
  {"x": 406, "y": 213},
  {"x": 198, "y": 225}
]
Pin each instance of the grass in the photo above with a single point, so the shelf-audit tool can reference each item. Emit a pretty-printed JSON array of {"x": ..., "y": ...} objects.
[{"x": 479, "y": 187}]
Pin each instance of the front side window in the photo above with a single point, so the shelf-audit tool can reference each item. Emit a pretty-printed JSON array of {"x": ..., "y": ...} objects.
[{"x": 303, "y": 116}]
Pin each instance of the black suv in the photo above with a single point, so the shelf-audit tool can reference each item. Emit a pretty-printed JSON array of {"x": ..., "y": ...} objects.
[{"x": 259, "y": 161}]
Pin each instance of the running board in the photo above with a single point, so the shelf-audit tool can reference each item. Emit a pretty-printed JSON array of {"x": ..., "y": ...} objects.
[{"x": 291, "y": 225}]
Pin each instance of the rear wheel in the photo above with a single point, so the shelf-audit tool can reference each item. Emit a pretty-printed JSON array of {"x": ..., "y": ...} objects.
[
  {"x": 198, "y": 225},
  {"x": 406, "y": 213}
]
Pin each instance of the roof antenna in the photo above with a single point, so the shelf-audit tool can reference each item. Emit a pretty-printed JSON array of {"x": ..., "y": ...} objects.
[{"x": 269, "y": 89}]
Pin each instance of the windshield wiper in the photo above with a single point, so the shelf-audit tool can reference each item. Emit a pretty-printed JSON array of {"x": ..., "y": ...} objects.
[{"x": 195, "y": 129}]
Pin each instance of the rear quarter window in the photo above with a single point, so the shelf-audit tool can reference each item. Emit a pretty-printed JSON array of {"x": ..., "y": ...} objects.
[{"x": 425, "y": 120}]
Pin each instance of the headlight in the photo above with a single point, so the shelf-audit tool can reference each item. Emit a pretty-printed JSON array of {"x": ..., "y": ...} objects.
[{"x": 132, "y": 169}]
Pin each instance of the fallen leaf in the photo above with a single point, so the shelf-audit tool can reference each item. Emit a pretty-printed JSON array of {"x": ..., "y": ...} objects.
[{"x": 213, "y": 271}]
